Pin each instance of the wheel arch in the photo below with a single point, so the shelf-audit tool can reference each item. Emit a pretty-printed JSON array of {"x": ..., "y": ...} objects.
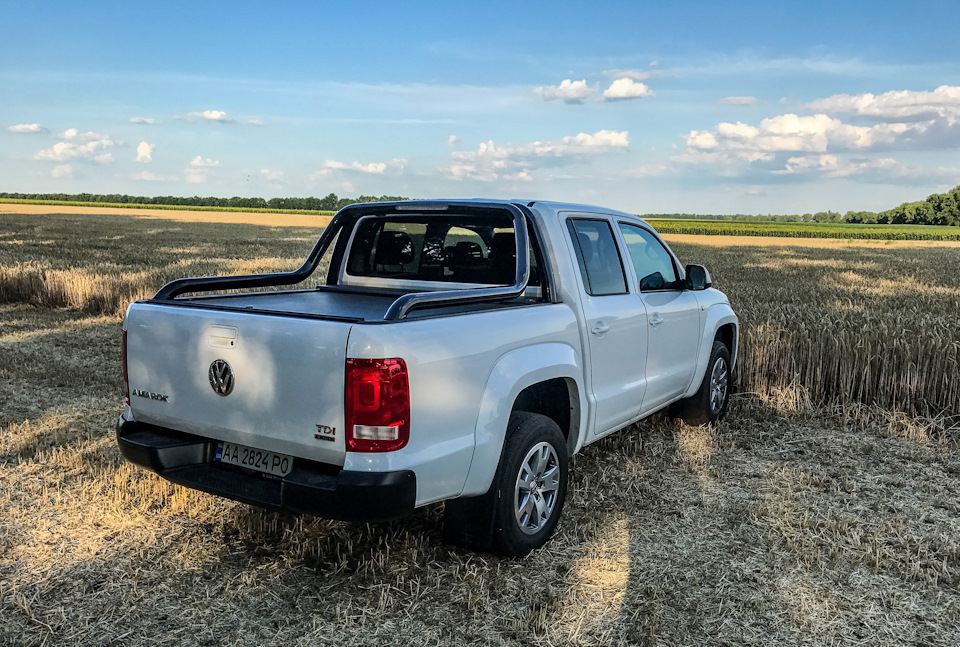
[
  {"x": 534, "y": 378},
  {"x": 720, "y": 324}
]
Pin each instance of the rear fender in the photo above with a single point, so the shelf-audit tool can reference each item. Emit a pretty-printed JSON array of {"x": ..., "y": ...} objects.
[{"x": 512, "y": 373}]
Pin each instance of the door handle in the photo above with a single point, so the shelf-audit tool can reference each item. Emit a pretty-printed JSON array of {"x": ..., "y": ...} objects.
[
  {"x": 656, "y": 319},
  {"x": 599, "y": 328}
]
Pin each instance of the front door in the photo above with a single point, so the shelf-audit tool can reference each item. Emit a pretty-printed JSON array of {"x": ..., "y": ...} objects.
[{"x": 672, "y": 317}]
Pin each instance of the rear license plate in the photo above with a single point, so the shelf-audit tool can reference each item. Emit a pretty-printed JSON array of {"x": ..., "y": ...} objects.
[{"x": 253, "y": 458}]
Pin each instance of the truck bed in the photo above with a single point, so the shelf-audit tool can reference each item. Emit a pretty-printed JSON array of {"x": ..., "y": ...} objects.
[{"x": 357, "y": 305}]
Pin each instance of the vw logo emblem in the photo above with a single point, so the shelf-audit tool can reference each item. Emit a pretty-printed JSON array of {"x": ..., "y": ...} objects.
[{"x": 221, "y": 377}]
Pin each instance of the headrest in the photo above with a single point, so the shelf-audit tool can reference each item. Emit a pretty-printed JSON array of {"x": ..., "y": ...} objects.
[{"x": 394, "y": 248}]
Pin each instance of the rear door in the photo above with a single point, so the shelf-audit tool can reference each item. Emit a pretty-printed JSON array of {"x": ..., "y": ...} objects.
[
  {"x": 672, "y": 314},
  {"x": 616, "y": 323},
  {"x": 270, "y": 382}
]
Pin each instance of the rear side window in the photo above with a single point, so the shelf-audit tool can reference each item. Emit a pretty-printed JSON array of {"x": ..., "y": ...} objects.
[{"x": 598, "y": 257}]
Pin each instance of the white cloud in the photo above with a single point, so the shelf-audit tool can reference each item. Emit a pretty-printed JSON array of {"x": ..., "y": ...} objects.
[
  {"x": 62, "y": 170},
  {"x": 148, "y": 176},
  {"x": 738, "y": 101},
  {"x": 78, "y": 145},
  {"x": 195, "y": 175},
  {"x": 491, "y": 162},
  {"x": 27, "y": 128},
  {"x": 883, "y": 169},
  {"x": 199, "y": 162},
  {"x": 376, "y": 168},
  {"x": 520, "y": 176},
  {"x": 791, "y": 133},
  {"x": 145, "y": 152},
  {"x": 72, "y": 134},
  {"x": 211, "y": 115},
  {"x": 568, "y": 90},
  {"x": 624, "y": 88},
  {"x": 199, "y": 169},
  {"x": 896, "y": 105},
  {"x": 452, "y": 140},
  {"x": 146, "y": 121},
  {"x": 219, "y": 116},
  {"x": 635, "y": 75},
  {"x": 271, "y": 176}
]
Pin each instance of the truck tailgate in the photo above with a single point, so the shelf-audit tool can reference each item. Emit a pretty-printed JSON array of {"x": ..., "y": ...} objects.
[{"x": 287, "y": 385}]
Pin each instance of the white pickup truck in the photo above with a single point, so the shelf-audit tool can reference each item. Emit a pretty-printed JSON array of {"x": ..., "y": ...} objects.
[{"x": 449, "y": 350}]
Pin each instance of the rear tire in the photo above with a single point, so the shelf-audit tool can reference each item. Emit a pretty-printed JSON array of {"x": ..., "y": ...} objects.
[
  {"x": 709, "y": 403},
  {"x": 531, "y": 484},
  {"x": 520, "y": 511}
]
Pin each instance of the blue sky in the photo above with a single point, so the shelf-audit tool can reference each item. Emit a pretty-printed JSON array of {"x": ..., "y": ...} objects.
[{"x": 648, "y": 107}]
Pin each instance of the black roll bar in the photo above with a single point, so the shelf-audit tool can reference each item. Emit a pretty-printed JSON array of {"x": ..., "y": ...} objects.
[{"x": 400, "y": 308}]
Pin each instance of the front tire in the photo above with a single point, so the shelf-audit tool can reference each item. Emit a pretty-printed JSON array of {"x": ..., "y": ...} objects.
[{"x": 709, "y": 403}]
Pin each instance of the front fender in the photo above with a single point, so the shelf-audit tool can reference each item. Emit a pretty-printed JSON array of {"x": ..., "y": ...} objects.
[
  {"x": 718, "y": 314},
  {"x": 512, "y": 373}
]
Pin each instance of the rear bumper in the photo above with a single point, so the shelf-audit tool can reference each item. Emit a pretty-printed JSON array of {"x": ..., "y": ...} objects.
[{"x": 311, "y": 488}]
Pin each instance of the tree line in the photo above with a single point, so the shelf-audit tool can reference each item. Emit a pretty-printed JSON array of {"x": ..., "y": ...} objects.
[
  {"x": 936, "y": 209},
  {"x": 330, "y": 202}
]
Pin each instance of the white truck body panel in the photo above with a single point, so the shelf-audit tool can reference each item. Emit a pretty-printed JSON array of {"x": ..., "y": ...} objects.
[{"x": 621, "y": 357}]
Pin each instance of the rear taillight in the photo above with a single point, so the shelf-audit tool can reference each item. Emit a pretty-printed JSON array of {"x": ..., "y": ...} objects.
[
  {"x": 377, "y": 405},
  {"x": 126, "y": 379}
]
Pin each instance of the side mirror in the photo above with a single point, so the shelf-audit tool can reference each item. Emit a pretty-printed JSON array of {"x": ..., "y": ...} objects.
[{"x": 698, "y": 278}]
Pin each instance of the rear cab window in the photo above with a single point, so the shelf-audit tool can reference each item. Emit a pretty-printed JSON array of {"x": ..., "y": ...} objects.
[{"x": 435, "y": 252}]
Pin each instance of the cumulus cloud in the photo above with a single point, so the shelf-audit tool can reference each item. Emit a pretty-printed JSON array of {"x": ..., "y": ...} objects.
[
  {"x": 148, "y": 176},
  {"x": 376, "y": 168},
  {"x": 27, "y": 128},
  {"x": 79, "y": 145},
  {"x": 491, "y": 162},
  {"x": 199, "y": 169},
  {"x": 146, "y": 121},
  {"x": 883, "y": 169},
  {"x": 145, "y": 153},
  {"x": 634, "y": 75},
  {"x": 200, "y": 162},
  {"x": 271, "y": 176},
  {"x": 738, "y": 101},
  {"x": 62, "y": 170},
  {"x": 212, "y": 115},
  {"x": 219, "y": 116},
  {"x": 570, "y": 91},
  {"x": 625, "y": 88},
  {"x": 520, "y": 176},
  {"x": 791, "y": 133},
  {"x": 896, "y": 105},
  {"x": 453, "y": 140}
]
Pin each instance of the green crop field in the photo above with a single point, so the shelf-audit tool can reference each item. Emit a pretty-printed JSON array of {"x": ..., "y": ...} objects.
[{"x": 804, "y": 229}]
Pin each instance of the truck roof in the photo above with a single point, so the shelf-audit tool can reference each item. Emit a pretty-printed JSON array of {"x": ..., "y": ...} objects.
[{"x": 541, "y": 205}]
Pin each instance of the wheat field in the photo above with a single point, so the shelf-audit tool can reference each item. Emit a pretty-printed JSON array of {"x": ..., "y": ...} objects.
[{"x": 822, "y": 511}]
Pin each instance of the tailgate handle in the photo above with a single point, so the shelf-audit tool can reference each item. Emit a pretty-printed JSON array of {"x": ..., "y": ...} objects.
[{"x": 223, "y": 336}]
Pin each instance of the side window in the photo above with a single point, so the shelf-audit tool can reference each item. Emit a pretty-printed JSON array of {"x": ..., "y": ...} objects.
[
  {"x": 653, "y": 264},
  {"x": 598, "y": 256}
]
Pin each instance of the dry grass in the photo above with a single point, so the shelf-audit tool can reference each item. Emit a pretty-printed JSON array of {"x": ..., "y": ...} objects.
[
  {"x": 777, "y": 527},
  {"x": 175, "y": 215}
]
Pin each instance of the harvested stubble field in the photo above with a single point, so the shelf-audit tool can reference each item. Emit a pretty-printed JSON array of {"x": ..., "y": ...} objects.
[{"x": 823, "y": 511}]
